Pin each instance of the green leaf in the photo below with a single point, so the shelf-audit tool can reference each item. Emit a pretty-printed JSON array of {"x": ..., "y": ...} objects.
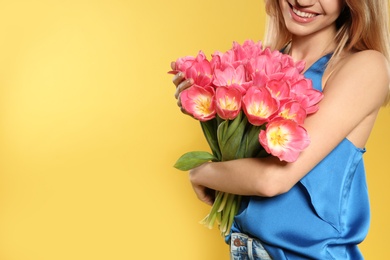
[{"x": 191, "y": 160}]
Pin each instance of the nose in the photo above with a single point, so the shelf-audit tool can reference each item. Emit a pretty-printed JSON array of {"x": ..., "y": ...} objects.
[{"x": 305, "y": 2}]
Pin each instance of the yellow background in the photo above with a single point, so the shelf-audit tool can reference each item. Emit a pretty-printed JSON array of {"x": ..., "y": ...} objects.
[{"x": 89, "y": 129}]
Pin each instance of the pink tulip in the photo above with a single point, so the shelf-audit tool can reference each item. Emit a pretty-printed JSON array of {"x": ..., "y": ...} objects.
[
  {"x": 275, "y": 54},
  {"x": 257, "y": 64},
  {"x": 221, "y": 60},
  {"x": 183, "y": 63},
  {"x": 268, "y": 64},
  {"x": 275, "y": 58},
  {"x": 288, "y": 62},
  {"x": 294, "y": 111},
  {"x": 263, "y": 69},
  {"x": 259, "y": 105},
  {"x": 284, "y": 139},
  {"x": 200, "y": 71},
  {"x": 308, "y": 96},
  {"x": 247, "y": 50},
  {"x": 261, "y": 78},
  {"x": 231, "y": 76},
  {"x": 300, "y": 85},
  {"x": 198, "y": 68},
  {"x": 228, "y": 102},
  {"x": 279, "y": 89},
  {"x": 300, "y": 65},
  {"x": 199, "y": 102}
]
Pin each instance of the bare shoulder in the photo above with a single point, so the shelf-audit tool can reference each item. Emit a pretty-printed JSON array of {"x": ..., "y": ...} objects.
[
  {"x": 366, "y": 63},
  {"x": 363, "y": 71}
]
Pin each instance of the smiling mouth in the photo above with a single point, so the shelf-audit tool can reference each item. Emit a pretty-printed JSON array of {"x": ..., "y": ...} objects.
[{"x": 302, "y": 14}]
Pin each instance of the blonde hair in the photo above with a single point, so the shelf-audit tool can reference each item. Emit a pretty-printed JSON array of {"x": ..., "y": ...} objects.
[{"x": 362, "y": 25}]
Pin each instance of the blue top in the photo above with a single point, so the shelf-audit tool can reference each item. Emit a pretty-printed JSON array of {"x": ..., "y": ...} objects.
[{"x": 324, "y": 216}]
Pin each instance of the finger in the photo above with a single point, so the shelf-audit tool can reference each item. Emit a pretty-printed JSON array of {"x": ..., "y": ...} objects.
[
  {"x": 185, "y": 112},
  {"x": 182, "y": 109},
  {"x": 209, "y": 197},
  {"x": 178, "y": 78},
  {"x": 179, "y": 102},
  {"x": 211, "y": 194},
  {"x": 203, "y": 196},
  {"x": 182, "y": 86},
  {"x": 173, "y": 65},
  {"x": 208, "y": 201}
]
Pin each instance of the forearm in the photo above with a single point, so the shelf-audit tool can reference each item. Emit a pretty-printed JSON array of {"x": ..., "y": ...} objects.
[{"x": 260, "y": 177}]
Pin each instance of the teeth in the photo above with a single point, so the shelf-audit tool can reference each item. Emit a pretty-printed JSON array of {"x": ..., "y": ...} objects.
[{"x": 303, "y": 14}]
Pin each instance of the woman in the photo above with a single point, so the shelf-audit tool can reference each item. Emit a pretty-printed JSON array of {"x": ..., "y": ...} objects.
[{"x": 316, "y": 207}]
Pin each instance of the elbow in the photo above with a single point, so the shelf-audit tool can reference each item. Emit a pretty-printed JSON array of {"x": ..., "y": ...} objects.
[
  {"x": 271, "y": 188},
  {"x": 275, "y": 178}
]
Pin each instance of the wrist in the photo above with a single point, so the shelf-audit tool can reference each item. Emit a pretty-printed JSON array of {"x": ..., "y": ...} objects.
[{"x": 196, "y": 174}]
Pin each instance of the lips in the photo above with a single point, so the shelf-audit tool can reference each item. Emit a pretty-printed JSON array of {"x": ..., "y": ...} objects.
[{"x": 301, "y": 16}]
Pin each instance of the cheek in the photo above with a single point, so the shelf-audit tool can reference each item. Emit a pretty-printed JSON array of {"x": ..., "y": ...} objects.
[
  {"x": 284, "y": 7},
  {"x": 282, "y": 4},
  {"x": 333, "y": 6}
]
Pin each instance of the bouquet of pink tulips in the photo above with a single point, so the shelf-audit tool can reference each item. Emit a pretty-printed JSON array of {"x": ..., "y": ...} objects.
[{"x": 251, "y": 102}]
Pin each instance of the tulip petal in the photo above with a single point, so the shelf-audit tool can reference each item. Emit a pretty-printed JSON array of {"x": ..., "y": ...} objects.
[
  {"x": 228, "y": 102},
  {"x": 199, "y": 102},
  {"x": 284, "y": 139},
  {"x": 259, "y": 105}
]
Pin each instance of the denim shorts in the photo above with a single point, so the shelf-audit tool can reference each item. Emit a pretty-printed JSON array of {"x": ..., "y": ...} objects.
[{"x": 243, "y": 247}]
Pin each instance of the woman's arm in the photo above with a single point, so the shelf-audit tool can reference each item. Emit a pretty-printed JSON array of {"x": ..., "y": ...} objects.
[{"x": 352, "y": 98}]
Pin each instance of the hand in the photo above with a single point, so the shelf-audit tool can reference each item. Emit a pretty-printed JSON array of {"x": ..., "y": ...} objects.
[
  {"x": 181, "y": 84},
  {"x": 203, "y": 193}
]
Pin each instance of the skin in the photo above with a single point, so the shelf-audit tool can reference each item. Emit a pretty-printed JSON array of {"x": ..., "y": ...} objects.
[{"x": 354, "y": 90}]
